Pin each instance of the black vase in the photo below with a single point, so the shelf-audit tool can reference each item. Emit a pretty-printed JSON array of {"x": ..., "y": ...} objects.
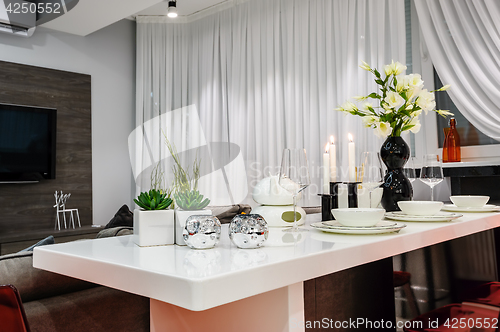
[{"x": 395, "y": 153}]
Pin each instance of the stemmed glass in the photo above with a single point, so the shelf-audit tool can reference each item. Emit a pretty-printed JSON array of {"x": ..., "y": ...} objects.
[
  {"x": 294, "y": 177},
  {"x": 371, "y": 172},
  {"x": 432, "y": 172},
  {"x": 409, "y": 170}
]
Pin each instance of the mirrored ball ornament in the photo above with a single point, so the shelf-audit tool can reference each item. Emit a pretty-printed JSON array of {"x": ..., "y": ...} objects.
[
  {"x": 248, "y": 231},
  {"x": 201, "y": 232}
]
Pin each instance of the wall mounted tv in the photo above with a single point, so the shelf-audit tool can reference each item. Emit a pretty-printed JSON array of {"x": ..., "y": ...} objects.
[{"x": 27, "y": 143}]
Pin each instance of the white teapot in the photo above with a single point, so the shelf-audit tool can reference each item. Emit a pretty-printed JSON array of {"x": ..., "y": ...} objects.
[{"x": 269, "y": 192}]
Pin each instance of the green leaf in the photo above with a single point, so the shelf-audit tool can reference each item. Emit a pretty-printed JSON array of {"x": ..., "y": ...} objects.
[
  {"x": 375, "y": 71},
  {"x": 379, "y": 81}
]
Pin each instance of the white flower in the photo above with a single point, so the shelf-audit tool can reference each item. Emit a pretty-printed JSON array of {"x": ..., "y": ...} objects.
[
  {"x": 402, "y": 83},
  {"x": 444, "y": 112},
  {"x": 397, "y": 68},
  {"x": 415, "y": 80},
  {"x": 416, "y": 125},
  {"x": 425, "y": 100},
  {"x": 369, "y": 120},
  {"x": 383, "y": 129},
  {"x": 367, "y": 106},
  {"x": 394, "y": 100},
  {"x": 413, "y": 92},
  {"x": 388, "y": 70},
  {"x": 365, "y": 66},
  {"x": 348, "y": 106},
  {"x": 444, "y": 88},
  {"x": 359, "y": 97}
]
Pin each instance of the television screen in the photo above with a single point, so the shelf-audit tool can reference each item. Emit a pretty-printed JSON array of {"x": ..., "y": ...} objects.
[{"x": 27, "y": 143}]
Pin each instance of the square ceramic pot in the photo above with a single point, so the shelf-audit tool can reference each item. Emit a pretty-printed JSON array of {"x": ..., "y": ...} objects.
[
  {"x": 180, "y": 222},
  {"x": 154, "y": 228}
]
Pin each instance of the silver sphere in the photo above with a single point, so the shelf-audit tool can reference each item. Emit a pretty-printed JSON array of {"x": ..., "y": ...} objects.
[
  {"x": 202, "y": 232},
  {"x": 248, "y": 231}
]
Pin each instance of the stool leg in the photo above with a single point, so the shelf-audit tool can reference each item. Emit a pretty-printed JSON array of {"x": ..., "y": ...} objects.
[
  {"x": 72, "y": 220},
  {"x": 78, "y": 217},
  {"x": 64, "y": 217},
  {"x": 412, "y": 301}
]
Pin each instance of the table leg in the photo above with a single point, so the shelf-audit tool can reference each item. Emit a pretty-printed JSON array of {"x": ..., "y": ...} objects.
[{"x": 280, "y": 310}]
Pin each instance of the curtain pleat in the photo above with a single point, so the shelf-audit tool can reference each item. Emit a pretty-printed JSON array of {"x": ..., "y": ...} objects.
[
  {"x": 464, "y": 43},
  {"x": 265, "y": 75}
]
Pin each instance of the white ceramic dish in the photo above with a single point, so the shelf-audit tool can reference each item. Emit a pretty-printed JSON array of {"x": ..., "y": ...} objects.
[
  {"x": 358, "y": 231},
  {"x": 336, "y": 224},
  {"x": 420, "y": 208},
  {"x": 486, "y": 208},
  {"x": 470, "y": 201},
  {"x": 358, "y": 216},
  {"x": 440, "y": 216}
]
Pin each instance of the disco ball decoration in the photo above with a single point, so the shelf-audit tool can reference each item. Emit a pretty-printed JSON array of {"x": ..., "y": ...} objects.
[
  {"x": 202, "y": 232},
  {"x": 248, "y": 231}
]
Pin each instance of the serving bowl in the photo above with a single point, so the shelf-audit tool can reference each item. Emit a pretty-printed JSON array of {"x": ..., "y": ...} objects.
[
  {"x": 358, "y": 217},
  {"x": 420, "y": 208},
  {"x": 470, "y": 201}
]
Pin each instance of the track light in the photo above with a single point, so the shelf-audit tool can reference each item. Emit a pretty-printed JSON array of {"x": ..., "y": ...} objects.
[{"x": 172, "y": 9}]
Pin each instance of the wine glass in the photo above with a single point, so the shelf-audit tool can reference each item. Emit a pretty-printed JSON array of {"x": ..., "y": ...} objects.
[
  {"x": 294, "y": 177},
  {"x": 409, "y": 170},
  {"x": 431, "y": 173},
  {"x": 371, "y": 172}
]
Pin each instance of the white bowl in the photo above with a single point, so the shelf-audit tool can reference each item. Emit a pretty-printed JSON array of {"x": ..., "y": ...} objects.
[
  {"x": 470, "y": 201},
  {"x": 420, "y": 208},
  {"x": 358, "y": 216}
]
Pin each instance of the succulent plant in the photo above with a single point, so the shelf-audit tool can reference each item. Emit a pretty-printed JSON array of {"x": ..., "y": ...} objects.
[
  {"x": 153, "y": 200},
  {"x": 191, "y": 200}
]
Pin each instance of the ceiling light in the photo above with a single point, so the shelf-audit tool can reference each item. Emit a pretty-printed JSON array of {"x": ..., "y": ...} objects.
[{"x": 172, "y": 9}]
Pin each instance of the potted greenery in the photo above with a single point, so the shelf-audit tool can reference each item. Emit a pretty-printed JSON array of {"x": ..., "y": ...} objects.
[
  {"x": 188, "y": 199},
  {"x": 154, "y": 222}
]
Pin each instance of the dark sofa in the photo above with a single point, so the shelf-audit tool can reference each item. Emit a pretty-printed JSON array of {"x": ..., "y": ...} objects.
[{"x": 55, "y": 302}]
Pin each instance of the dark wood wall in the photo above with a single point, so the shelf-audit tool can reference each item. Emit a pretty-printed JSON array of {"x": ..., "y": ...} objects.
[{"x": 29, "y": 207}]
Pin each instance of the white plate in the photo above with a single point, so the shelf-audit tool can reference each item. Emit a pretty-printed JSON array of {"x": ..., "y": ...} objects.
[
  {"x": 440, "y": 216},
  {"x": 361, "y": 230},
  {"x": 337, "y": 225},
  {"x": 486, "y": 208}
]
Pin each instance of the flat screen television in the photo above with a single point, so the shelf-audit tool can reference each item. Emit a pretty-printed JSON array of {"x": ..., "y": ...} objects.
[{"x": 27, "y": 143}]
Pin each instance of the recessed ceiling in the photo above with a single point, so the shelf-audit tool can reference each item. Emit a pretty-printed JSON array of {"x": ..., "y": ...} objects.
[{"x": 91, "y": 15}]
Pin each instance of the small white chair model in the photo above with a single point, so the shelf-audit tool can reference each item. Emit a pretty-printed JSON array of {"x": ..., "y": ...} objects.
[{"x": 61, "y": 208}]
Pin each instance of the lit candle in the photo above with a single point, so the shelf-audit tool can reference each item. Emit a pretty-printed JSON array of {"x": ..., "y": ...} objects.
[
  {"x": 333, "y": 160},
  {"x": 326, "y": 169},
  {"x": 352, "y": 160}
]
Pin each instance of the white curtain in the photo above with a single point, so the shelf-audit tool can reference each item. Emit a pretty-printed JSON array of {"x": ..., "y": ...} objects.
[
  {"x": 463, "y": 38},
  {"x": 267, "y": 74}
]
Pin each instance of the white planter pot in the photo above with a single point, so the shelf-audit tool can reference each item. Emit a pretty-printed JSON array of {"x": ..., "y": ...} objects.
[
  {"x": 180, "y": 222},
  {"x": 154, "y": 228}
]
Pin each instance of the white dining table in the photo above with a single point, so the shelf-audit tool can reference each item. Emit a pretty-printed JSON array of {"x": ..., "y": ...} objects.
[{"x": 233, "y": 289}]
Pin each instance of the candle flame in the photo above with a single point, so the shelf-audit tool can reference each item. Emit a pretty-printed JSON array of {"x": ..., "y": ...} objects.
[
  {"x": 326, "y": 148},
  {"x": 350, "y": 137},
  {"x": 332, "y": 140}
]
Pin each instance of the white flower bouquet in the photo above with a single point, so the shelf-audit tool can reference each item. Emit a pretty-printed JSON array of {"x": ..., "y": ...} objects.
[{"x": 401, "y": 99}]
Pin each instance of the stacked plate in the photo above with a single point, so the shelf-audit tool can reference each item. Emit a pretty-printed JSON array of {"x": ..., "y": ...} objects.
[
  {"x": 381, "y": 227},
  {"x": 485, "y": 208},
  {"x": 440, "y": 216}
]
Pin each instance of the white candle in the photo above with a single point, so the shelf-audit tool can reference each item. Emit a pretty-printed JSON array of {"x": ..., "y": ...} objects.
[
  {"x": 352, "y": 160},
  {"x": 326, "y": 171},
  {"x": 333, "y": 160}
]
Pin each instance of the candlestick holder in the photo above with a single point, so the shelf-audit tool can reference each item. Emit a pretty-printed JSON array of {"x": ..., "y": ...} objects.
[
  {"x": 326, "y": 207},
  {"x": 334, "y": 191},
  {"x": 352, "y": 194}
]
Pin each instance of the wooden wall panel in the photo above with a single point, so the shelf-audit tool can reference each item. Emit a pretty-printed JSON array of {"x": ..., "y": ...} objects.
[{"x": 29, "y": 207}]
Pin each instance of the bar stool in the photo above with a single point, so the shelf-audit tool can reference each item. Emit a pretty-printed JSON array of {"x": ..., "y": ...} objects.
[
  {"x": 12, "y": 316},
  {"x": 402, "y": 279}
]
